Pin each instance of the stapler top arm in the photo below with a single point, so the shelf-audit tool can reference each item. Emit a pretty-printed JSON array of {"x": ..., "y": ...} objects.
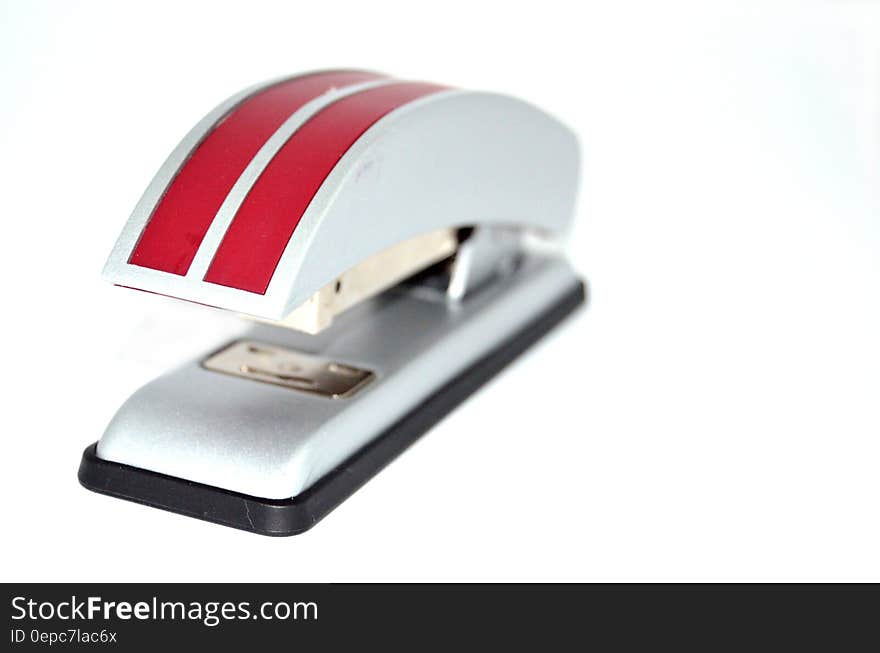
[{"x": 286, "y": 187}]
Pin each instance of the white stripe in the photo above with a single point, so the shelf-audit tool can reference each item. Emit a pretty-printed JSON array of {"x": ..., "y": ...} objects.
[{"x": 255, "y": 168}]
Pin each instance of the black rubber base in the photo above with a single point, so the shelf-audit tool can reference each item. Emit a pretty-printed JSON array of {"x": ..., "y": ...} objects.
[{"x": 292, "y": 516}]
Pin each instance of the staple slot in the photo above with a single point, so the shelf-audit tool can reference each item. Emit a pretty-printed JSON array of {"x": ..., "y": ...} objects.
[{"x": 289, "y": 368}]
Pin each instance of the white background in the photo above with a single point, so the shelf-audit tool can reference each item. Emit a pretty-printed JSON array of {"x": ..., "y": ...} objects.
[{"x": 713, "y": 415}]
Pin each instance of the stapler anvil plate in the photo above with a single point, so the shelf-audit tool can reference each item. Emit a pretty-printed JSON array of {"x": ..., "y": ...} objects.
[{"x": 397, "y": 244}]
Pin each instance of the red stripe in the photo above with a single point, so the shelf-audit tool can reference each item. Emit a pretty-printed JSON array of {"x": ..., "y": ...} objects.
[
  {"x": 259, "y": 233},
  {"x": 178, "y": 224}
]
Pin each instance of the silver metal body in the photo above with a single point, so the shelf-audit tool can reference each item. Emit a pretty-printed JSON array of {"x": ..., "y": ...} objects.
[
  {"x": 275, "y": 413},
  {"x": 274, "y": 442}
]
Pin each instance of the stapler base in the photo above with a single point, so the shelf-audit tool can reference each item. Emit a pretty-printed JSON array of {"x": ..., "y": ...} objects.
[{"x": 298, "y": 514}]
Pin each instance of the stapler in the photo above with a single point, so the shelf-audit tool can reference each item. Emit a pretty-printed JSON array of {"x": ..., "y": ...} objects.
[{"x": 396, "y": 244}]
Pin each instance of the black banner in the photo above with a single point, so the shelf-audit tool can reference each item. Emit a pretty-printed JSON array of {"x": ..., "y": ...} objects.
[{"x": 144, "y": 616}]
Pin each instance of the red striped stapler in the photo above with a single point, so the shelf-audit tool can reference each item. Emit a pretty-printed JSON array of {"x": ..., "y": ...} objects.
[{"x": 397, "y": 244}]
